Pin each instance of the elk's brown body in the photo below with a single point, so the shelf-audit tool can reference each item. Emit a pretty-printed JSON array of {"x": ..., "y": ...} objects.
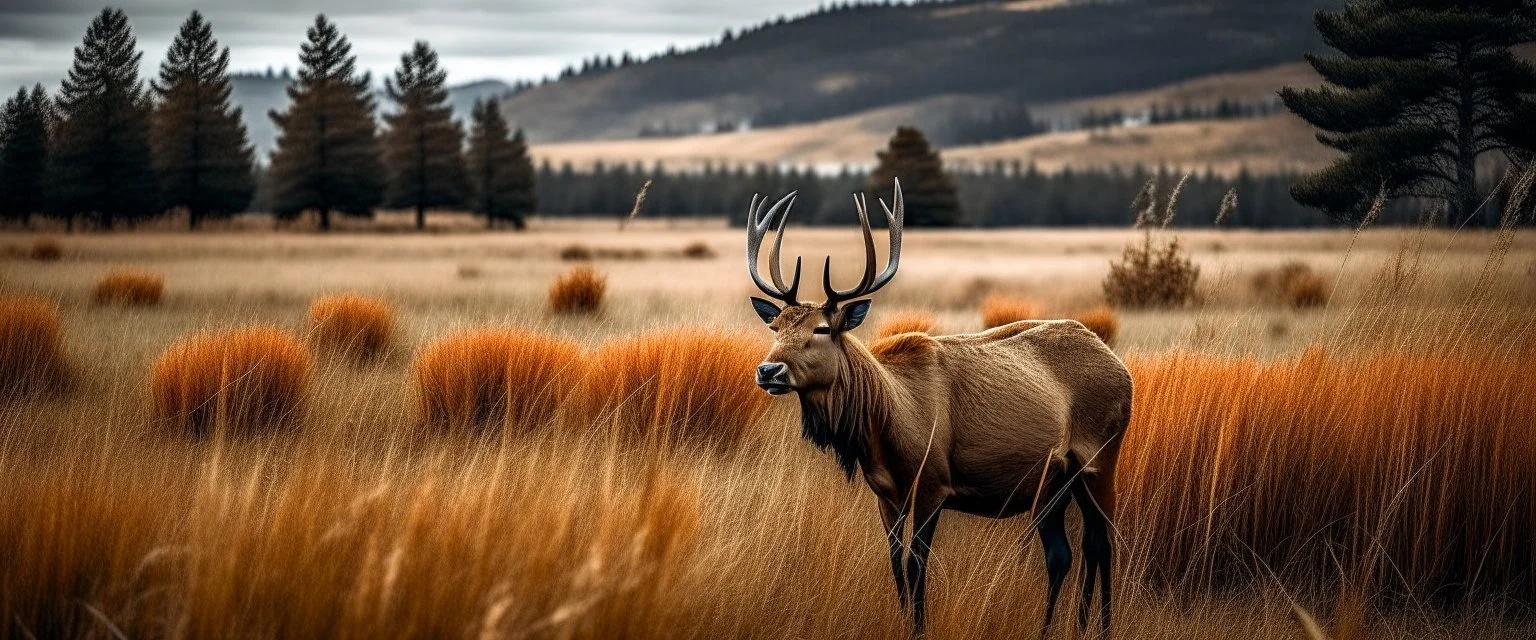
[{"x": 1023, "y": 418}]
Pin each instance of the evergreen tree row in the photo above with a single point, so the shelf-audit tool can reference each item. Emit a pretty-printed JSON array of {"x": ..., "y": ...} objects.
[{"x": 109, "y": 150}]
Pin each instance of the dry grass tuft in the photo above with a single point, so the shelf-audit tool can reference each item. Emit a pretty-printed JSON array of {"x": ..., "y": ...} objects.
[
  {"x": 906, "y": 322},
  {"x": 352, "y": 324},
  {"x": 1321, "y": 465},
  {"x": 576, "y": 252},
  {"x": 31, "y": 346},
  {"x": 1294, "y": 283},
  {"x": 241, "y": 380},
  {"x": 682, "y": 385},
  {"x": 698, "y": 250},
  {"x": 579, "y": 290},
  {"x": 480, "y": 377},
  {"x": 1102, "y": 321},
  {"x": 130, "y": 287},
  {"x": 46, "y": 250},
  {"x": 1151, "y": 274},
  {"x": 998, "y": 310}
]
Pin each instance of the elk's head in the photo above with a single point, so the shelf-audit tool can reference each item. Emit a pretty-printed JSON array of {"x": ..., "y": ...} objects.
[{"x": 807, "y": 351}]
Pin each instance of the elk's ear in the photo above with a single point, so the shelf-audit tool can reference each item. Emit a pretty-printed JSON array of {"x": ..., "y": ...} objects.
[
  {"x": 765, "y": 309},
  {"x": 852, "y": 315}
]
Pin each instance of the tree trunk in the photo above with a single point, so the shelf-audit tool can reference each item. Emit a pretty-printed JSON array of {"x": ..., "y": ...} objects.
[
  {"x": 421, "y": 217},
  {"x": 1465, "y": 202},
  {"x": 193, "y": 220},
  {"x": 325, "y": 219}
]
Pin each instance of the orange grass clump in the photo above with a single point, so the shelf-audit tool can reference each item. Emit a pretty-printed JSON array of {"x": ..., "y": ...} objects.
[
  {"x": 130, "y": 287},
  {"x": 1102, "y": 321},
  {"x": 1410, "y": 474},
  {"x": 684, "y": 384},
  {"x": 579, "y": 290},
  {"x": 906, "y": 322},
  {"x": 998, "y": 310},
  {"x": 352, "y": 324},
  {"x": 31, "y": 345},
  {"x": 479, "y": 377},
  {"x": 240, "y": 380},
  {"x": 1293, "y": 283},
  {"x": 46, "y": 250}
]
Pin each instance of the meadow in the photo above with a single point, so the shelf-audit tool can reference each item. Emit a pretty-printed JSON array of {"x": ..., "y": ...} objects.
[{"x": 1360, "y": 454}]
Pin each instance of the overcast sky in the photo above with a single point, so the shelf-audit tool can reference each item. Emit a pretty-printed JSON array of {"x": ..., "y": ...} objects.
[{"x": 476, "y": 39}]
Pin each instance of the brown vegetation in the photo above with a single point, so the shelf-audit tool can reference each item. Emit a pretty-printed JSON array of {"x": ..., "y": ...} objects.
[
  {"x": 906, "y": 322},
  {"x": 130, "y": 287},
  {"x": 1294, "y": 284},
  {"x": 481, "y": 377},
  {"x": 998, "y": 310},
  {"x": 1152, "y": 274},
  {"x": 352, "y": 324},
  {"x": 579, "y": 290},
  {"x": 1102, "y": 321},
  {"x": 241, "y": 380},
  {"x": 681, "y": 385},
  {"x": 46, "y": 250},
  {"x": 31, "y": 346},
  {"x": 698, "y": 251}
]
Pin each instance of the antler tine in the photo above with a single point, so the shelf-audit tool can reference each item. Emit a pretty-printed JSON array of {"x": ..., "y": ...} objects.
[
  {"x": 835, "y": 296},
  {"x": 758, "y": 223},
  {"x": 775, "y": 270},
  {"x": 895, "y": 221}
]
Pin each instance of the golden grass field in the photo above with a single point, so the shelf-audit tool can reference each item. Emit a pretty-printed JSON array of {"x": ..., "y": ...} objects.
[{"x": 1370, "y": 460}]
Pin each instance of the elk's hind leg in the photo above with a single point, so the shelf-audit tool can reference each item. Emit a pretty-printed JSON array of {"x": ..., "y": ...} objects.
[
  {"x": 895, "y": 521},
  {"x": 1096, "y": 499},
  {"x": 1052, "y": 526}
]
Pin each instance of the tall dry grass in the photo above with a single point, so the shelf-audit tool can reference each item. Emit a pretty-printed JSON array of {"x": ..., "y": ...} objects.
[
  {"x": 579, "y": 290},
  {"x": 239, "y": 380},
  {"x": 998, "y": 310},
  {"x": 31, "y": 346},
  {"x": 906, "y": 322},
  {"x": 130, "y": 287}
]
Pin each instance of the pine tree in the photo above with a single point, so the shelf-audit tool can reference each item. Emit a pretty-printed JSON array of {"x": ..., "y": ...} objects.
[
  {"x": 24, "y": 128},
  {"x": 199, "y": 141},
  {"x": 422, "y": 147},
  {"x": 327, "y": 157},
  {"x": 501, "y": 177},
  {"x": 1421, "y": 89},
  {"x": 100, "y": 162},
  {"x": 930, "y": 195}
]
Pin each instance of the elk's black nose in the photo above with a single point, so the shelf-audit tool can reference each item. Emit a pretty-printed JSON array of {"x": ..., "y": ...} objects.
[{"x": 773, "y": 377}]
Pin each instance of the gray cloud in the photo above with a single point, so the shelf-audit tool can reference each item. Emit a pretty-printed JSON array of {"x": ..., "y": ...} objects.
[{"x": 476, "y": 38}]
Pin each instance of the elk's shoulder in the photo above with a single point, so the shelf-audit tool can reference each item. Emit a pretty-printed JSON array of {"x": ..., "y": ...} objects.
[{"x": 905, "y": 349}]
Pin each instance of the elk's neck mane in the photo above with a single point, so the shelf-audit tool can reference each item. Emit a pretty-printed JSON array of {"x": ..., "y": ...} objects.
[{"x": 843, "y": 417}]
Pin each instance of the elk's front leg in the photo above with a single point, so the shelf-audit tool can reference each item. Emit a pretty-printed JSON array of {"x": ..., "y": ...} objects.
[
  {"x": 895, "y": 520},
  {"x": 925, "y": 519}
]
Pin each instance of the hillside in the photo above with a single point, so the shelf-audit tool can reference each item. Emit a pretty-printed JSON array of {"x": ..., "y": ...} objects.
[{"x": 846, "y": 61}]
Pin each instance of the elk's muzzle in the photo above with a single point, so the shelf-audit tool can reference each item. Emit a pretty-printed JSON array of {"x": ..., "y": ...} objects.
[{"x": 773, "y": 377}]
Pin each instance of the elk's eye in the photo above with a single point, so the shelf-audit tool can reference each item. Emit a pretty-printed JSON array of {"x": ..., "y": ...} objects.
[{"x": 822, "y": 330}]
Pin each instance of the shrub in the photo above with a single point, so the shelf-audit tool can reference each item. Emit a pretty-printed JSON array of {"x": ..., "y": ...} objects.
[
  {"x": 1293, "y": 283},
  {"x": 1102, "y": 321},
  {"x": 474, "y": 378},
  {"x": 698, "y": 250},
  {"x": 47, "y": 250},
  {"x": 998, "y": 310},
  {"x": 579, "y": 290},
  {"x": 352, "y": 324},
  {"x": 1151, "y": 274},
  {"x": 682, "y": 385},
  {"x": 130, "y": 287},
  {"x": 906, "y": 322},
  {"x": 238, "y": 380},
  {"x": 31, "y": 345},
  {"x": 576, "y": 252}
]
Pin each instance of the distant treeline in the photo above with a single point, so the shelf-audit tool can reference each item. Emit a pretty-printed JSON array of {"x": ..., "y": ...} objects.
[{"x": 1002, "y": 195}]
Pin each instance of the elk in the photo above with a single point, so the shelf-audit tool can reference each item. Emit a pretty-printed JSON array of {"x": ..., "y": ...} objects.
[{"x": 1022, "y": 418}]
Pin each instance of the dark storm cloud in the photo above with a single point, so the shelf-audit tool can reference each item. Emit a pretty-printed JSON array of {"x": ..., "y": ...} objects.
[{"x": 476, "y": 38}]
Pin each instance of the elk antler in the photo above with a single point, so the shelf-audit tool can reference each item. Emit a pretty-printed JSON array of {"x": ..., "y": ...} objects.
[
  {"x": 870, "y": 283},
  {"x": 758, "y": 223}
]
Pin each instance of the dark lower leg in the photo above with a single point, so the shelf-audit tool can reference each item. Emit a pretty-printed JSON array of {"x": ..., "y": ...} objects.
[
  {"x": 1058, "y": 552},
  {"x": 917, "y": 566}
]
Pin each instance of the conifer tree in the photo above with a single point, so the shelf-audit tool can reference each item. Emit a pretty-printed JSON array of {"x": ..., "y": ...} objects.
[
  {"x": 501, "y": 176},
  {"x": 199, "y": 142},
  {"x": 423, "y": 145},
  {"x": 1420, "y": 90},
  {"x": 930, "y": 195},
  {"x": 327, "y": 156},
  {"x": 24, "y": 128},
  {"x": 100, "y": 162}
]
